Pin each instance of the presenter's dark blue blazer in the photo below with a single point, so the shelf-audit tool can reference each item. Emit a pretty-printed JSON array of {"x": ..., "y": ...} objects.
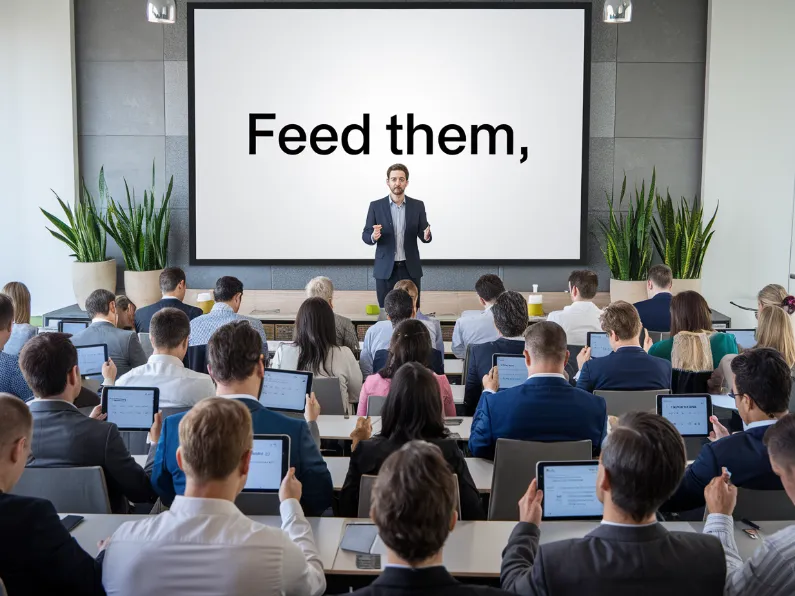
[
  {"x": 416, "y": 224},
  {"x": 628, "y": 369},
  {"x": 540, "y": 409},
  {"x": 743, "y": 454},
  {"x": 655, "y": 313},
  {"x": 143, "y": 316},
  {"x": 310, "y": 468},
  {"x": 480, "y": 364}
]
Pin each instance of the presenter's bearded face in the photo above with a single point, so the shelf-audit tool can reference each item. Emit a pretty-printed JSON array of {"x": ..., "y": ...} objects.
[{"x": 397, "y": 182}]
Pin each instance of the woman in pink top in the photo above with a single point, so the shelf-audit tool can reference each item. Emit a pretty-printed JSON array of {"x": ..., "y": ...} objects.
[{"x": 411, "y": 342}]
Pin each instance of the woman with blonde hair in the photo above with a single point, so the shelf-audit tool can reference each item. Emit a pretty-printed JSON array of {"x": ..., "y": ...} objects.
[
  {"x": 770, "y": 295},
  {"x": 22, "y": 330}
]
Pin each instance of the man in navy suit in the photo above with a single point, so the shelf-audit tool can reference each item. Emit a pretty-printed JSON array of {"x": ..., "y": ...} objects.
[
  {"x": 762, "y": 384},
  {"x": 237, "y": 366},
  {"x": 393, "y": 224},
  {"x": 173, "y": 286},
  {"x": 510, "y": 319},
  {"x": 655, "y": 313},
  {"x": 543, "y": 408},
  {"x": 628, "y": 367}
]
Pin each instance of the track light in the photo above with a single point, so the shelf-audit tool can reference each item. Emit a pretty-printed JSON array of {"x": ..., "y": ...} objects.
[
  {"x": 617, "y": 11},
  {"x": 163, "y": 11}
]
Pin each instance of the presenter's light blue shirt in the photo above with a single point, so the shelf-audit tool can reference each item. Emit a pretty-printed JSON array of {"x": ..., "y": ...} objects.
[{"x": 399, "y": 224}]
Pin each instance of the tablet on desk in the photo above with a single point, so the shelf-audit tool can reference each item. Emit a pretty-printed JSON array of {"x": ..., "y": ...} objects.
[
  {"x": 688, "y": 413},
  {"x": 270, "y": 460},
  {"x": 285, "y": 389},
  {"x": 91, "y": 358},
  {"x": 511, "y": 368},
  {"x": 569, "y": 490},
  {"x": 599, "y": 344},
  {"x": 72, "y": 327},
  {"x": 746, "y": 338},
  {"x": 130, "y": 408}
]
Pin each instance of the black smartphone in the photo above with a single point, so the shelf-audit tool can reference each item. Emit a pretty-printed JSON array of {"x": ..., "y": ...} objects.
[{"x": 70, "y": 522}]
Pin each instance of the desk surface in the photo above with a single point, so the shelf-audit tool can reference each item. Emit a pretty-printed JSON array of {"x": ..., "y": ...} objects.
[
  {"x": 340, "y": 427},
  {"x": 745, "y": 544},
  {"x": 273, "y": 345}
]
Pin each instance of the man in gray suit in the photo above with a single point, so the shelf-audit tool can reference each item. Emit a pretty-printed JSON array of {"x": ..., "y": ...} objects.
[
  {"x": 63, "y": 437},
  {"x": 630, "y": 553},
  {"x": 123, "y": 346}
]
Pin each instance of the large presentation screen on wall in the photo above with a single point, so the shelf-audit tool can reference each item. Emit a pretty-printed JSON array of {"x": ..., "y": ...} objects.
[{"x": 297, "y": 110}]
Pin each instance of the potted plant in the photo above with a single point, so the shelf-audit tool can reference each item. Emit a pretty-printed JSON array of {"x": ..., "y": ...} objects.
[
  {"x": 84, "y": 233},
  {"x": 141, "y": 232},
  {"x": 681, "y": 240},
  {"x": 626, "y": 243}
]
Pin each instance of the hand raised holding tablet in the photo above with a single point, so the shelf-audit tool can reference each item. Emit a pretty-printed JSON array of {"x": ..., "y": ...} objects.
[
  {"x": 157, "y": 426},
  {"x": 530, "y": 504},
  {"x": 721, "y": 495},
  {"x": 491, "y": 380},
  {"x": 312, "y": 410},
  {"x": 583, "y": 357},
  {"x": 719, "y": 431},
  {"x": 109, "y": 371},
  {"x": 291, "y": 487},
  {"x": 97, "y": 413}
]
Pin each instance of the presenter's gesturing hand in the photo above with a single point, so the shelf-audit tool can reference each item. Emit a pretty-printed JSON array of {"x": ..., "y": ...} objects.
[
  {"x": 427, "y": 233},
  {"x": 377, "y": 232}
]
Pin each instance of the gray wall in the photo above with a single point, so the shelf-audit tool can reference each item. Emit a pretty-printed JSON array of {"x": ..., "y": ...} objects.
[{"x": 647, "y": 102}]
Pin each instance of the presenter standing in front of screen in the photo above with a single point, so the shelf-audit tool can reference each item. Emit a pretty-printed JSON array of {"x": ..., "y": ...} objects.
[{"x": 393, "y": 224}]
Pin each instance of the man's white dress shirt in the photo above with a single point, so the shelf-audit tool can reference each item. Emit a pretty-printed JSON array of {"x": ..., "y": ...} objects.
[
  {"x": 180, "y": 387},
  {"x": 474, "y": 327},
  {"x": 577, "y": 320}
]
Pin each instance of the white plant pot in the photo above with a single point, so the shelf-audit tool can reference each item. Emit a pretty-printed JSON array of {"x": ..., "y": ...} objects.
[
  {"x": 682, "y": 285},
  {"x": 142, "y": 287},
  {"x": 87, "y": 277},
  {"x": 629, "y": 291}
]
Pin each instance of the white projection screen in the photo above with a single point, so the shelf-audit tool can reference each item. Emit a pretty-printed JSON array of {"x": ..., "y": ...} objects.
[{"x": 509, "y": 185}]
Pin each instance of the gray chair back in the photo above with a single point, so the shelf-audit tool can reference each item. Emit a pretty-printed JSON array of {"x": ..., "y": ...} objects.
[
  {"x": 658, "y": 335},
  {"x": 146, "y": 344},
  {"x": 135, "y": 440},
  {"x": 621, "y": 402},
  {"x": 258, "y": 503},
  {"x": 515, "y": 468},
  {"x": 70, "y": 490},
  {"x": 366, "y": 492},
  {"x": 693, "y": 446},
  {"x": 329, "y": 395},
  {"x": 375, "y": 403},
  {"x": 763, "y": 505}
]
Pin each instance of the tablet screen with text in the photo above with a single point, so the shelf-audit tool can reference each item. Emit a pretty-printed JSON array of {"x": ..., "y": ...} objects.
[
  {"x": 130, "y": 408},
  {"x": 91, "y": 358},
  {"x": 512, "y": 370},
  {"x": 285, "y": 389},
  {"x": 600, "y": 344},
  {"x": 569, "y": 490},
  {"x": 688, "y": 413},
  {"x": 270, "y": 460}
]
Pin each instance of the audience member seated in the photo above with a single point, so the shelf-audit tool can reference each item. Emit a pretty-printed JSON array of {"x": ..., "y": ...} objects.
[
  {"x": 125, "y": 313},
  {"x": 690, "y": 317},
  {"x": 771, "y": 295},
  {"x": 23, "y": 330},
  {"x": 409, "y": 286},
  {"x": 204, "y": 544},
  {"x": 37, "y": 554},
  {"x": 11, "y": 379},
  {"x": 173, "y": 287},
  {"x": 123, "y": 346},
  {"x": 509, "y": 313},
  {"x": 398, "y": 306},
  {"x": 315, "y": 349},
  {"x": 543, "y": 408},
  {"x": 410, "y": 343},
  {"x": 769, "y": 570},
  {"x": 228, "y": 294},
  {"x": 655, "y": 313},
  {"x": 477, "y": 326},
  {"x": 414, "y": 507},
  {"x": 180, "y": 387},
  {"x": 321, "y": 287},
  {"x": 630, "y": 553},
  {"x": 65, "y": 438},
  {"x": 237, "y": 367},
  {"x": 761, "y": 390},
  {"x": 582, "y": 315},
  {"x": 628, "y": 367}
]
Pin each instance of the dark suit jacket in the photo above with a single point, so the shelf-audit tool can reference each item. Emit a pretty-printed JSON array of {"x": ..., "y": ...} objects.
[
  {"x": 540, "y": 409},
  {"x": 743, "y": 454},
  {"x": 655, "y": 313},
  {"x": 143, "y": 316},
  {"x": 480, "y": 363},
  {"x": 379, "y": 213},
  {"x": 436, "y": 363},
  {"x": 433, "y": 581},
  {"x": 628, "y": 369},
  {"x": 65, "y": 438},
  {"x": 123, "y": 346},
  {"x": 614, "y": 561},
  {"x": 37, "y": 554},
  {"x": 368, "y": 457},
  {"x": 310, "y": 468}
]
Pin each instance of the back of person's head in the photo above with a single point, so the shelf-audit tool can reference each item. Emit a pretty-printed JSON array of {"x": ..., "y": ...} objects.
[
  {"x": 320, "y": 287},
  {"x": 414, "y": 501},
  {"x": 661, "y": 276},
  {"x": 6, "y": 313},
  {"x": 771, "y": 295},
  {"x": 169, "y": 329},
  {"x": 398, "y": 306},
  {"x": 315, "y": 334},
  {"x": 409, "y": 287},
  {"x": 411, "y": 342},
  {"x": 16, "y": 432},
  {"x": 170, "y": 278},
  {"x": 763, "y": 375},
  {"x": 234, "y": 352},
  {"x": 644, "y": 462},
  {"x": 215, "y": 440},
  {"x": 546, "y": 342},
  {"x": 46, "y": 361},
  {"x": 489, "y": 286},
  {"x": 690, "y": 312},
  {"x": 622, "y": 318},
  {"x": 226, "y": 288},
  {"x": 586, "y": 282},
  {"x": 123, "y": 303},
  {"x": 775, "y": 331},
  {"x": 20, "y": 296},
  {"x": 780, "y": 442},
  {"x": 691, "y": 351},
  {"x": 99, "y": 303},
  {"x": 413, "y": 407},
  {"x": 510, "y": 314}
]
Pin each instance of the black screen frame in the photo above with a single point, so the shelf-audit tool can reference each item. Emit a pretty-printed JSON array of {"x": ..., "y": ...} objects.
[
  {"x": 155, "y": 403},
  {"x": 285, "y": 439},
  {"x": 540, "y": 466},
  {"x": 661, "y": 397}
]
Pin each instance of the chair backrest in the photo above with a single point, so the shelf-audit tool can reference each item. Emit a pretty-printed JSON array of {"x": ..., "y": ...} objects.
[
  {"x": 515, "y": 468},
  {"x": 685, "y": 381},
  {"x": 71, "y": 490},
  {"x": 366, "y": 492},
  {"x": 375, "y": 403},
  {"x": 763, "y": 505},
  {"x": 258, "y": 503},
  {"x": 466, "y": 362},
  {"x": 135, "y": 440},
  {"x": 329, "y": 395},
  {"x": 621, "y": 402},
  {"x": 196, "y": 358},
  {"x": 658, "y": 335},
  {"x": 146, "y": 344}
]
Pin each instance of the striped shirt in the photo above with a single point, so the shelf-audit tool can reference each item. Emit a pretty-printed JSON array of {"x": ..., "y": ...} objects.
[
  {"x": 399, "y": 224},
  {"x": 771, "y": 569},
  {"x": 201, "y": 328}
]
